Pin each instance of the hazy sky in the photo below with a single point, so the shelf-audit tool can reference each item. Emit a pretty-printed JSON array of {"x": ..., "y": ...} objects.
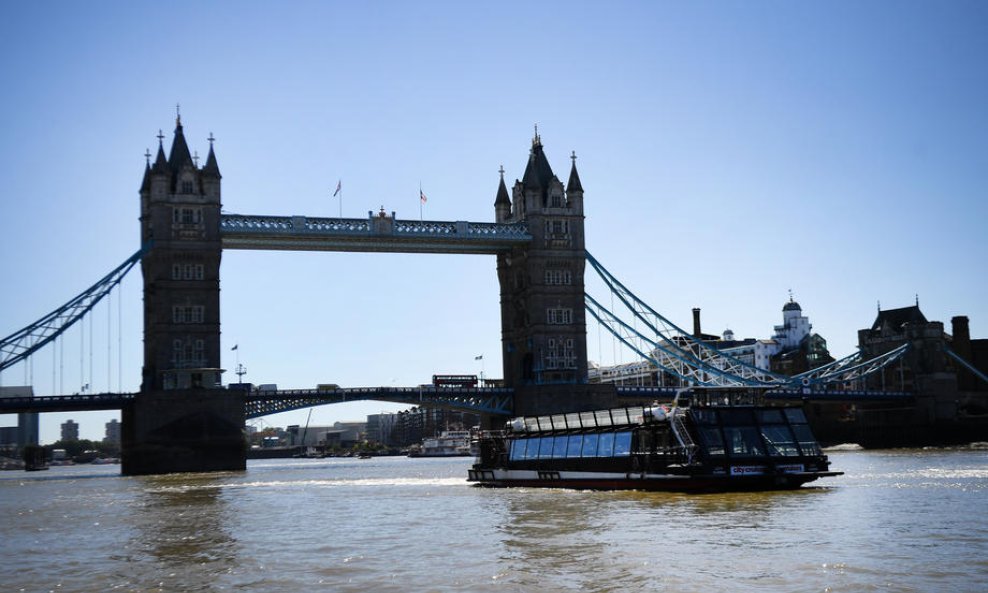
[{"x": 730, "y": 151}]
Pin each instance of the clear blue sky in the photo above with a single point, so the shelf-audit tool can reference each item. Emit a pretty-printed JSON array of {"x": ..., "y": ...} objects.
[{"x": 730, "y": 151}]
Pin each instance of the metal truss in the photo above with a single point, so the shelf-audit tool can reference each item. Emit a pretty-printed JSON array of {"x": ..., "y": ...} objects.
[
  {"x": 674, "y": 350},
  {"x": 484, "y": 400},
  {"x": 851, "y": 368},
  {"x": 696, "y": 362},
  {"x": 967, "y": 365},
  {"x": 21, "y": 344},
  {"x": 66, "y": 403}
]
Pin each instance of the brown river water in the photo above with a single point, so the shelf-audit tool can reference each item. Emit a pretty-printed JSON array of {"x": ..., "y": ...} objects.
[{"x": 898, "y": 520}]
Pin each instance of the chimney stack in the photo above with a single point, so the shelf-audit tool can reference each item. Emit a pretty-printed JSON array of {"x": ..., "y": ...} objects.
[{"x": 696, "y": 323}]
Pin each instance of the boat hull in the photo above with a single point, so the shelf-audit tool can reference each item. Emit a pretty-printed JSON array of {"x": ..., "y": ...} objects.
[{"x": 644, "y": 482}]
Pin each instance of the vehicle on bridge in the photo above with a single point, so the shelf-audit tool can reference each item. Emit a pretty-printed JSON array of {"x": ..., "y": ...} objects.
[
  {"x": 468, "y": 381},
  {"x": 707, "y": 440}
]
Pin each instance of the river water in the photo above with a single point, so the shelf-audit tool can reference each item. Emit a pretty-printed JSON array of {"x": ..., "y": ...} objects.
[{"x": 900, "y": 520}]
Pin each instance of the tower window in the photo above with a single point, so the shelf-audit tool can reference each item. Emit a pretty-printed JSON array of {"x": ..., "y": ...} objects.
[
  {"x": 558, "y": 277},
  {"x": 559, "y": 316},
  {"x": 186, "y": 187},
  {"x": 187, "y": 215},
  {"x": 188, "y": 313}
]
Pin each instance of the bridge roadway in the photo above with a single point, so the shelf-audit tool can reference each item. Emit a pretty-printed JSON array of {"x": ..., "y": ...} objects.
[
  {"x": 484, "y": 400},
  {"x": 371, "y": 234}
]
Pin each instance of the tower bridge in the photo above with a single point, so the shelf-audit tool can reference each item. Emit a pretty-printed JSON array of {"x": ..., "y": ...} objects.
[{"x": 182, "y": 419}]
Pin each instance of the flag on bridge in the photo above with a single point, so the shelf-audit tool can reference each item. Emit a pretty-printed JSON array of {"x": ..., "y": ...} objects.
[
  {"x": 235, "y": 346},
  {"x": 339, "y": 186},
  {"x": 481, "y": 357},
  {"x": 422, "y": 196}
]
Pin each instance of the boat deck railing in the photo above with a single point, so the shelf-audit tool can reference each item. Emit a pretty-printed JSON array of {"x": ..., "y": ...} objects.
[
  {"x": 683, "y": 434},
  {"x": 615, "y": 417}
]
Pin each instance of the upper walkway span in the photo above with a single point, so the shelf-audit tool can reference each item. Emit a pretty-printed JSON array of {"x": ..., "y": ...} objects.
[{"x": 372, "y": 234}]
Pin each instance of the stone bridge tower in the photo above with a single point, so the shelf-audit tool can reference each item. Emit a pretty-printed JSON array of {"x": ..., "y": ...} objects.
[
  {"x": 182, "y": 421},
  {"x": 543, "y": 316},
  {"x": 180, "y": 225}
]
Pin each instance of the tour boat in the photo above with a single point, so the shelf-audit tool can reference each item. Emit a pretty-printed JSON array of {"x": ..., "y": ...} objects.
[
  {"x": 707, "y": 440},
  {"x": 450, "y": 443}
]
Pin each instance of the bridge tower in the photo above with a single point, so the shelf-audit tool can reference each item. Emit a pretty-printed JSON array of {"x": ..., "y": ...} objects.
[
  {"x": 182, "y": 420},
  {"x": 543, "y": 316},
  {"x": 180, "y": 222}
]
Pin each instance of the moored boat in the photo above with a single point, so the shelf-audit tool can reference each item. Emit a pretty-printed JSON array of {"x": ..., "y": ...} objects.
[
  {"x": 450, "y": 443},
  {"x": 706, "y": 440}
]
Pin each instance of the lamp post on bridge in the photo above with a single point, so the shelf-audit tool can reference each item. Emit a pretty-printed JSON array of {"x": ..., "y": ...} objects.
[{"x": 241, "y": 369}]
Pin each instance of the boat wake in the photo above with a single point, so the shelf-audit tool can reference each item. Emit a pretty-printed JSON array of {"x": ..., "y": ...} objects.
[{"x": 319, "y": 483}]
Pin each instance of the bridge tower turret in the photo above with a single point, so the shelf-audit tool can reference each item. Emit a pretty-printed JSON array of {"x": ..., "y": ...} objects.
[
  {"x": 543, "y": 316},
  {"x": 180, "y": 225}
]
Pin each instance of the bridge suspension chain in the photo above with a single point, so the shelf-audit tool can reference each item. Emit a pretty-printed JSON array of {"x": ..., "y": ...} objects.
[
  {"x": 679, "y": 362},
  {"x": 682, "y": 353},
  {"x": 967, "y": 365},
  {"x": 21, "y": 344},
  {"x": 694, "y": 361}
]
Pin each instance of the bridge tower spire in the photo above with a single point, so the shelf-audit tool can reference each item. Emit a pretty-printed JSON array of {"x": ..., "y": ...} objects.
[{"x": 543, "y": 317}]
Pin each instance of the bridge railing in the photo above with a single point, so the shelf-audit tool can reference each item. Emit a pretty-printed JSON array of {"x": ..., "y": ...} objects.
[{"x": 242, "y": 223}]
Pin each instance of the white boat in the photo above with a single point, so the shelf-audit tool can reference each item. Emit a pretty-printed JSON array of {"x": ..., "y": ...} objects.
[{"x": 450, "y": 443}]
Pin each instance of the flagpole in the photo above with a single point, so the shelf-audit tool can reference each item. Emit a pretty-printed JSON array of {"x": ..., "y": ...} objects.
[
  {"x": 339, "y": 190},
  {"x": 420, "y": 201}
]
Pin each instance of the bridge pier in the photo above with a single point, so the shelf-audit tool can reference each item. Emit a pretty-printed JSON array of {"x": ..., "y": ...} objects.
[{"x": 183, "y": 431}]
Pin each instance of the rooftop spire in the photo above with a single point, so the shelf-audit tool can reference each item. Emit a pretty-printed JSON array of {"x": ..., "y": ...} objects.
[
  {"x": 160, "y": 162},
  {"x": 538, "y": 173},
  {"x": 179, "y": 155},
  {"x": 211, "y": 169},
  {"x": 574, "y": 177},
  {"x": 146, "y": 181},
  {"x": 502, "y": 192}
]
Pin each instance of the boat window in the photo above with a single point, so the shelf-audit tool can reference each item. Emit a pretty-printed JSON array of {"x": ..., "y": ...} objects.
[
  {"x": 743, "y": 441},
  {"x": 620, "y": 416},
  {"x": 737, "y": 417},
  {"x": 605, "y": 445},
  {"x": 575, "y": 443},
  {"x": 622, "y": 444},
  {"x": 804, "y": 436},
  {"x": 534, "y": 448},
  {"x": 795, "y": 415},
  {"x": 517, "y": 449},
  {"x": 704, "y": 416},
  {"x": 590, "y": 445},
  {"x": 713, "y": 440},
  {"x": 779, "y": 440},
  {"x": 559, "y": 446},
  {"x": 773, "y": 416}
]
